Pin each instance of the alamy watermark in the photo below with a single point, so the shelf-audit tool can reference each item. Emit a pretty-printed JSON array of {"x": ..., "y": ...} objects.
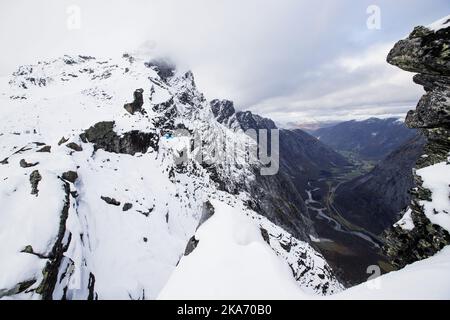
[
  {"x": 373, "y": 22},
  {"x": 259, "y": 148},
  {"x": 374, "y": 280},
  {"x": 73, "y": 21}
]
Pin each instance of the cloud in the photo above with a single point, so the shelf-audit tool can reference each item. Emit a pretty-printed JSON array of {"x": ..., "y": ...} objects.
[
  {"x": 287, "y": 59},
  {"x": 351, "y": 86}
]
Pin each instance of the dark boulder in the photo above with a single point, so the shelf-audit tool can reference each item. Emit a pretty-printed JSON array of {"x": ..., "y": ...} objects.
[
  {"x": 70, "y": 176},
  {"x": 35, "y": 178},
  {"x": 62, "y": 141},
  {"x": 45, "y": 149},
  {"x": 103, "y": 136},
  {"x": 111, "y": 201},
  {"x": 25, "y": 164},
  {"x": 127, "y": 206},
  {"x": 74, "y": 146},
  {"x": 136, "y": 105}
]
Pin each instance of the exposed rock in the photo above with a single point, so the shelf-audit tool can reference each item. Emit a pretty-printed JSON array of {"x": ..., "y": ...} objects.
[
  {"x": 426, "y": 52},
  {"x": 110, "y": 201},
  {"x": 191, "y": 245},
  {"x": 51, "y": 270},
  {"x": 127, "y": 206},
  {"x": 164, "y": 68},
  {"x": 29, "y": 249},
  {"x": 222, "y": 109},
  {"x": 35, "y": 178},
  {"x": 145, "y": 213},
  {"x": 225, "y": 113},
  {"x": 20, "y": 287},
  {"x": 91, "y": 287},
  {"x": 25, "y": 164},
  {"x": 207, "y": 212},
  {"x": 249, "y": 120},
  {"x": 103, "y": 136},
  {"x": 407, "y": 246},
  {"x": 62, "y": 141},
  {"x": 286, "y": 246},
  {"x": 74, "y": 146},
  {"x": 70, "y": 176},
  {"x": 265, "y": 235},
  {"x": 45, "y": 149},
  {"x": 136, "y": 105},
  {"x": 167, "y": 113}
]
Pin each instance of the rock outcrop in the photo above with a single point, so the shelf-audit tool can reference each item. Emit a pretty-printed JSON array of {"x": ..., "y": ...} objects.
[
  {"x": 138, "y": 102},
  {"x": 103, "y": 136},
  {"x": 427, "y": 52}
]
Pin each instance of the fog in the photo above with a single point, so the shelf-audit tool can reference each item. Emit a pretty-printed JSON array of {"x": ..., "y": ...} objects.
[{"x": 292, "y": 60}]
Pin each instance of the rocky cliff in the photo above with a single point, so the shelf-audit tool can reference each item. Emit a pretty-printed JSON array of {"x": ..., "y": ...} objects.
[
  {"x": 302, "y": 158},
  {"x": 423, "y": 231},
  {"x": 374, "y": 200}
]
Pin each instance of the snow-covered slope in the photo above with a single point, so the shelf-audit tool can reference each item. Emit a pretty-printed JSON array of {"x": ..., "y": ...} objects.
[
  {"x": 426, "y": 279},
  {"x": 232, "y": 260},
  {"x": 93, "y": 202}
]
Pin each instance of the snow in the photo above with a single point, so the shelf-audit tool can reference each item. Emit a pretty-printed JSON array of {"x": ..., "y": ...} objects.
[
  {"x": 106, "y": 241},
  {"x": 436, "y": 178},
  {"x": 231, "y": 261},
  {"x": 426, "y": 279},
  {"x": 130, "y": 253},
  {"x": 34, "y": 222},
  {"x": 136, "y": 254},
  {"x": 440, "y": 24},
  {"x": 406, "y": 222}
]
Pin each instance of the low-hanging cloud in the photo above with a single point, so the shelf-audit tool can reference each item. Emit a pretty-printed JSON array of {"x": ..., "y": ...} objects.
[{"x": 291, "y": 60}]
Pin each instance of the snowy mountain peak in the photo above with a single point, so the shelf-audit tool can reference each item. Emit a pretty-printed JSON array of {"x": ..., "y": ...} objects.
[{"x": 91, "y": 150}]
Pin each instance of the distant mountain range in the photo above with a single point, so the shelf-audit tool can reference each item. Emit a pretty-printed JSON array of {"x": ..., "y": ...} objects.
[{"x": 371, "y": 139}]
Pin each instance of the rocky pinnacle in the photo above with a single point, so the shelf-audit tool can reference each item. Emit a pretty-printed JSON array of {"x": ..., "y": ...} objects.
[{"x": 426, "y": 52}]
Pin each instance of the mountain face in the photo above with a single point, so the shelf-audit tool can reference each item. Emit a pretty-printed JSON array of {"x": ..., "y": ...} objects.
[
  {"x": 308, "y": 172},
  {"x": 95, "y": 202},
  {"x": 276, "y": 193},
  {"x": 374, "y": 200},
  {"x": 302, "y": 157},
  {"x": 371, "y": 139},
  {"x": 424, "y": 228}
]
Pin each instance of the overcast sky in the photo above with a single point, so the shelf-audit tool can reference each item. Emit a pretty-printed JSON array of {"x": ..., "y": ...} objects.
[{"x": 292, "y": 60}]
